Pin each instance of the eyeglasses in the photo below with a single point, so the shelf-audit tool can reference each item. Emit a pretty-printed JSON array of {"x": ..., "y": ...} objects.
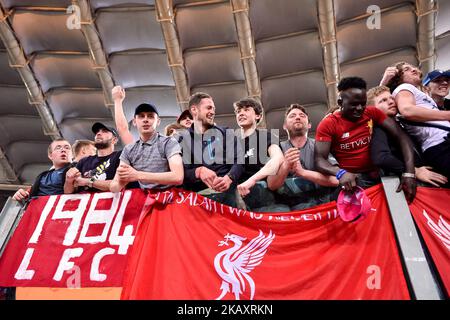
[{"x": 60, "y": 148}]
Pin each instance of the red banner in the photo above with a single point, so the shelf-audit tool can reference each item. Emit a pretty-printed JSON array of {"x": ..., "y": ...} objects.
[
  {"x": 78, "y": 240},
  {"x": 189, "y": 247},
  {"x": 433, "y": 219}
]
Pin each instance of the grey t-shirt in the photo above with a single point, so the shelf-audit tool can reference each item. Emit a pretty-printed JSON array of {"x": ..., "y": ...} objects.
[
  {"x": 151, "y": 156},
  {"x": 306, "y": 153},
  {"x": 299, "y": 193}
]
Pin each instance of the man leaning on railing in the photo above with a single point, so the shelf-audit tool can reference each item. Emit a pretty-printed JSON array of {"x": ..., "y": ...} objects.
[
  {"x": 209, "y": 154},
  {"x": 298, "y": 184},
  {"x": 347, "y": 133},
  {"x": 50, "y": 182},
  {"x": 153, "y": 160}
]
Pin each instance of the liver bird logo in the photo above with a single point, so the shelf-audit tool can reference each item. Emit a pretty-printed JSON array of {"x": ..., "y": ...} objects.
[
  {"x": 441, "y": 229},
  {"x": 233, "y": 265}
]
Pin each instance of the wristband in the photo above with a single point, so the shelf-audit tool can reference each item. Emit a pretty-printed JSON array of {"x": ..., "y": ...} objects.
[
  {"x": 340, "y": 173},
  {"x": 408, "y": 175}
]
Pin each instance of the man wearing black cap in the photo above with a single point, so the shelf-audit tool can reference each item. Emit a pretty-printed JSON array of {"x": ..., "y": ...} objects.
[
  {"x": 94, "y": 173},
  {"x": 438, "y": 82},
  {"x": 153, "y": 160}
]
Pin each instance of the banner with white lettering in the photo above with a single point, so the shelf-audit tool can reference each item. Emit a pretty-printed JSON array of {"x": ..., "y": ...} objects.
[
  {"x": 78, "y": 240},
  {"x": 433, "y": 219},
  {"x": 189, "y": 247}
]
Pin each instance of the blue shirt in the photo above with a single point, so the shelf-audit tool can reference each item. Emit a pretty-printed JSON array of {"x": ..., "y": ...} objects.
[{"x": 52, "y": 182}]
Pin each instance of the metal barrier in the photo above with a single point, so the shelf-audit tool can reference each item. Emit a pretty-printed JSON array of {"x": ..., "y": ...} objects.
[
  {"x": 9, "y": 219},
  {"x": 418, "y": 271},
  {"x": 417, "y": 267}
]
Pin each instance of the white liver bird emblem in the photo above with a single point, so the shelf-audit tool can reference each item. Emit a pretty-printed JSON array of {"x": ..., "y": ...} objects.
[
  {"x": 441, "y": 229},
  {"x": 234, "y": 264}
]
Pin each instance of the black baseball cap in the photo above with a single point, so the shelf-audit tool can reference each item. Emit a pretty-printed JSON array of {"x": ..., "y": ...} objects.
[
  {"x": 145, "y": 107},
  {"x": 433, "y": 75},
  {"x": 97, "y": 126},
  {"x": 183, "y": 115}
]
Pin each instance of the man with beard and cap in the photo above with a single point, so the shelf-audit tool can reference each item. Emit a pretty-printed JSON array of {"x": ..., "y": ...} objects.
[
  {"x": 299, "y": 185},
  {"x": 50, "y": 182},
  {"x": 94, "y": 173}
]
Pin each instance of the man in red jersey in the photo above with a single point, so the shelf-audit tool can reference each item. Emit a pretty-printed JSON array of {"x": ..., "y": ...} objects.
[{"x": 347, "y": 133}]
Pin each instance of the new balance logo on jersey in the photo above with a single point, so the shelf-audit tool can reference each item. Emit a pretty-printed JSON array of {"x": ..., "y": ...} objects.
[{"x": 346, "y": 135}]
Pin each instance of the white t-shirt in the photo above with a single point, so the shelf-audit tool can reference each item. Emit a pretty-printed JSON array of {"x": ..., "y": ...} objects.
[{"x": 426, "y": 136}]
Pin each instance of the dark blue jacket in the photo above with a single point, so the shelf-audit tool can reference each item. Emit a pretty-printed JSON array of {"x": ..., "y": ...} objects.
[{"x": 217, "y": 149}]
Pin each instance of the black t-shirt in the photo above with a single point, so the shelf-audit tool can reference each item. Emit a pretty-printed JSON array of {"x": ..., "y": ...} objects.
[
  {"x": 99, "y": 168},
  {"x": 256, "y": 153},
  {"x": 446, "y": 105}
]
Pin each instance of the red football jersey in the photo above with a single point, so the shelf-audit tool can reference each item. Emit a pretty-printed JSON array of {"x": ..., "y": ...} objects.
[{"x": 350, "y": 141}]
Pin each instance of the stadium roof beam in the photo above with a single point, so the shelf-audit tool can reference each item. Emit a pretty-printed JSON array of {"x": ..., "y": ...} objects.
[
  {"x": 165, "y": 17},
  {"x": 7, "y": 171},
  {"x": 246, "y": 46},
  {"x": 327, "y": 34},
  {"x": 19, "y": 62},
  {"x": 426, "y": 25},
  {"x": 13, "y": 187},
  {"x": 96, "y": 51},
  {"x": 247, "y": 51}
]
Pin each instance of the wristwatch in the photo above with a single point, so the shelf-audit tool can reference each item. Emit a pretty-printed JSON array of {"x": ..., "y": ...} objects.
[{"x": 91, "y": 183}]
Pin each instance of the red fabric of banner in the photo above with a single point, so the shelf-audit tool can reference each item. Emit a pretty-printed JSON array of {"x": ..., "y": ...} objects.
[
  {"x": 189, "y": 247},
  {"x": 73, "y": 241},
  {"x": 433, "y": 219}
]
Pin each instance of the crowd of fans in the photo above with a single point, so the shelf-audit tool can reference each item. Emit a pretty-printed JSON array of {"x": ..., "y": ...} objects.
[{"x": 400, "y": 127}]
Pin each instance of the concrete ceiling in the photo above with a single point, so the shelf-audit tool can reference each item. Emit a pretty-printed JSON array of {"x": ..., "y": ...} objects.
[{"x": 56, "y": 76}]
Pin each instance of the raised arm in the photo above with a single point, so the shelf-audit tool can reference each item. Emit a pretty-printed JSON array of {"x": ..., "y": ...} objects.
[
  {"x": 118, "y": 95},
  {"x": 388, "y": 74},
  {"x": 410, "y": 111}
]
